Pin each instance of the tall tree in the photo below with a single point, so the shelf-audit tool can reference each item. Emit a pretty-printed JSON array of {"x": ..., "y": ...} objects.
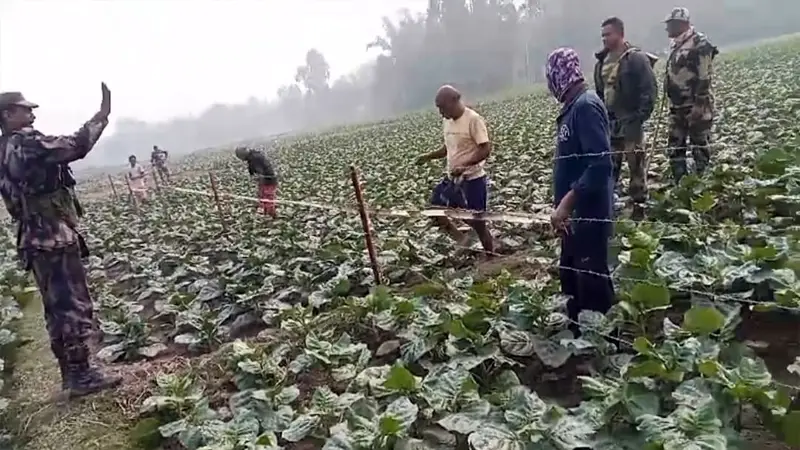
[
  {"x": 481, "y": 46},
  {"x": 315, "y": 73}
]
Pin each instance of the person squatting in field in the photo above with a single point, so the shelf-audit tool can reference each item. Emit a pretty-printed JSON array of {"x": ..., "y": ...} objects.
[
  {"x": 260, "y": 168},
  {"x": 583, "y": 186},
  {"x": 466, "y": 148},
  {"x": 688, "y": 87},
  {"x": 158, "y": 159},
  {"x": 137, "y": 177},
  {"x": 40, "y": 202},
  {"x": 625, "y": 81}
]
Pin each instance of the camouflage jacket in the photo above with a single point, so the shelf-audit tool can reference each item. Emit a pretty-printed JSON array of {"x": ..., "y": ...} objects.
[
  {"x": 159, "y": 157},
  {"x": 35, "y": 190},
  {"x": 689, "y": 72}
]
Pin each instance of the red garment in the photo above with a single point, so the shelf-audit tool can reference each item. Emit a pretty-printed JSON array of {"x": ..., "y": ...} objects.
[{"x": 267, "y": 194}]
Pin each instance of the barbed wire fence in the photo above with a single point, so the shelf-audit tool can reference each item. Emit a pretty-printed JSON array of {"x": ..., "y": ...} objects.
[{"x": 540, "y": 217}]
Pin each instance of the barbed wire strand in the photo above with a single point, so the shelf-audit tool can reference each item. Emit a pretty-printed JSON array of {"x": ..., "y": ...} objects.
[
  {"x": 597, "y": 331},
  {"x": 523, "y": 218},
  {"x": 456, "y": 213},
  {"x": 612, "y": 277},
  {"x": 707, "y": 294},
  {"x": 687, "y": 148}
]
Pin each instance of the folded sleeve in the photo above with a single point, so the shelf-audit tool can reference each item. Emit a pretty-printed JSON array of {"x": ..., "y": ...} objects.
[{"x": 62, "y": 149}]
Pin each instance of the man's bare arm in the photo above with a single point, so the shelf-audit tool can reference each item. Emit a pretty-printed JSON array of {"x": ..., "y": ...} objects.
[
  {"x": 438, "y": 154},
  {"x": 484, "y": 150}
]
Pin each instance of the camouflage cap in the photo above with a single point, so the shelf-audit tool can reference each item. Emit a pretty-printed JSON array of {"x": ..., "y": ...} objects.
[
  {"x": 8, "y": 99},
  {"x": 679, "y": 14}
]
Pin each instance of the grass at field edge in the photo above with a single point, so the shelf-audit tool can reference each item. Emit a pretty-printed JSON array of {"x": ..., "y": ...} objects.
[{"x": 45, "y": 421}]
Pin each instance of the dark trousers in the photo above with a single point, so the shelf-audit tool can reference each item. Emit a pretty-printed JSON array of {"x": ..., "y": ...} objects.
[
  {"x": 61, "y": 279},
  {"x": 584, "y": 271}
]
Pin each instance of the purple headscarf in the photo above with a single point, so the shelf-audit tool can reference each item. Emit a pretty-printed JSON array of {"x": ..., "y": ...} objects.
[{"x": 563, "y": 71}]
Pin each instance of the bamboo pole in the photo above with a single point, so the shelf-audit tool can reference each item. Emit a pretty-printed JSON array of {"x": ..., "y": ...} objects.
[{"x": 366, "y": 224}]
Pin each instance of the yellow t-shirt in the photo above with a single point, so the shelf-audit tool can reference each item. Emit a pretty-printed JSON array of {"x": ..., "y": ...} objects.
[
  {"x": 462, "y": 137},
  {"x": 610, "y": 71}
]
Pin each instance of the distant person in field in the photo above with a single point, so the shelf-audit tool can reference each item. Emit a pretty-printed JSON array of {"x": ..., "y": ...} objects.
[
  {"x": 158, "y": 159},
  {"x": 583, "y": 186},
  {"x": 624, "y": 80},
  {"x": 688, "y": 88},
  {"x": 466, "y": 148},
  {"x": 260, "y": 168},
  {"x": 41, "y": 204},
  {"x": 137, "y": 177}
]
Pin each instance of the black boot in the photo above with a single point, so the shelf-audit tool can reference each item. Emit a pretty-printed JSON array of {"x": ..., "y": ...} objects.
[
  {"x": 638, "y": 212},
  {"x": 83, "y": 379},
  {"x": 58, "y": 351},
  {"x": 700, "y": 167},
  {"x": 62, "y": 366},
  {"x": 678, "y": 171}
]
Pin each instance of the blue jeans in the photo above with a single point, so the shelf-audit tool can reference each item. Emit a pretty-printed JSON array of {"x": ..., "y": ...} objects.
[{"x": 468, "y": 194}]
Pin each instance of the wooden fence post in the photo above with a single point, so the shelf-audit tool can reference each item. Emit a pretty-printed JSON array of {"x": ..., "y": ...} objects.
[
  {"x": 217, "y": 200},
  {"x": 133, "y": 196},
  {"x": 113, "y": 189},
  {"x": 365, "y": 222}
]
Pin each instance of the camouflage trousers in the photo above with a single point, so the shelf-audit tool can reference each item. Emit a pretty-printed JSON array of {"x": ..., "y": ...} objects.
[
  {"x": 163, "y": 170},
  {"x": 633, "y": 152},
  {"x": 61, "y": 278},
  {"x": 697, "y": 131}
]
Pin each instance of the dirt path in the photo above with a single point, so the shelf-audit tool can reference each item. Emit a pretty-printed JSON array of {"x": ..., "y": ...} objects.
[{"x": 43, "y": 420}]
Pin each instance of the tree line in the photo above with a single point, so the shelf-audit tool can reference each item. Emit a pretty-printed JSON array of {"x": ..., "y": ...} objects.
[{"x": 480, "y": 46}]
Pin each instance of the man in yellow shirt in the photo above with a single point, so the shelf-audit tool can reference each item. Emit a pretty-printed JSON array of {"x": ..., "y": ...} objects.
[{"x": 466, "y": 147}]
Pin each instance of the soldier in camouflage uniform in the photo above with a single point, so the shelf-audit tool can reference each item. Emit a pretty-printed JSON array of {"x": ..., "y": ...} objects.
[
  {"x": 158, "y": 159},
  {"x": 41, "y": 202},
  {"x": 624, "y": 80},
  {"x": 688, "y": 88}
]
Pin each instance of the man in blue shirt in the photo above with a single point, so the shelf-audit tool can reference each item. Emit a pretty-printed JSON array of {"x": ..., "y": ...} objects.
[{"x": 582, "y": 185}]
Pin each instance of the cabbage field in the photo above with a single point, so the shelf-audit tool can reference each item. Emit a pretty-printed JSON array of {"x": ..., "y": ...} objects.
[{"x": 258, "y": 333}]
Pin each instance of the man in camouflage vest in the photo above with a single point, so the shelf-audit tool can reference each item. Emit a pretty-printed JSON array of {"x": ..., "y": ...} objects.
[
  {"x": 158, "y": 159},
  {"x": 624, "y": 80},
  {"x": 688, "y": 87},
  {"x": 40, "y": 201}
]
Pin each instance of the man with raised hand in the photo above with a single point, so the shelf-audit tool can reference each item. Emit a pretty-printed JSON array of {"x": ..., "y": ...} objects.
[
  {"x": 688, "y": 88},
  {"x": 466, "y": 148},
  {"x": 624, "y": 80},
  {"x": 582, "y": 186},
  {"x": 40, "y": 201}
]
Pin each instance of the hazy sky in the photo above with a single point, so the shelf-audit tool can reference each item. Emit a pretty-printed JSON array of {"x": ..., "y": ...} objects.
[{"x": 163, "y": 58}]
